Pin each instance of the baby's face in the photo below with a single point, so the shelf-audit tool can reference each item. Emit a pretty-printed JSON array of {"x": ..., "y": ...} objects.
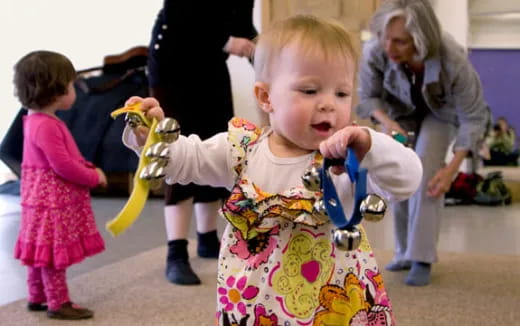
[
  {"x": 68, "y": 99},
  {"x": 310, "y": 98}
]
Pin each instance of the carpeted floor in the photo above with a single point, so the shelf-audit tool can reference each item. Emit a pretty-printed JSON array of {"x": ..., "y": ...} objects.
[{"x": 467, "y": 289}]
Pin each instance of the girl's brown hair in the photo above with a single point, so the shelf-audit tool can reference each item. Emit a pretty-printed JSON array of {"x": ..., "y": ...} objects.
[{"x": 40, "y": 77}]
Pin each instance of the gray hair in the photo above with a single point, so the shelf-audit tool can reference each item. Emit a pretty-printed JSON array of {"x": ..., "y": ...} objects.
[{"x": 420, "y": 21}]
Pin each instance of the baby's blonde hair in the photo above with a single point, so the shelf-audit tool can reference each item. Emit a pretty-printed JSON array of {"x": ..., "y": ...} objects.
[{"x": 309, "y": 33}]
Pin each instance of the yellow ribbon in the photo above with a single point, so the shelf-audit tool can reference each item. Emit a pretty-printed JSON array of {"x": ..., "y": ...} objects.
[{"x": 137, "y": 199}]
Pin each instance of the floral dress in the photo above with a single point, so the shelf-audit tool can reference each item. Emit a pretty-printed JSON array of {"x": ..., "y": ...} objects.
[{"x": 278, "y": 265}]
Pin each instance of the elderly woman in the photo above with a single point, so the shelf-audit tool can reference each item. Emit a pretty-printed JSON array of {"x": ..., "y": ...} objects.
[{"x": 414, "y": 78}]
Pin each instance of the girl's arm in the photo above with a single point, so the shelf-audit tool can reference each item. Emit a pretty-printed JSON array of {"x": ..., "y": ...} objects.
[{"x": 55, "y": 142}]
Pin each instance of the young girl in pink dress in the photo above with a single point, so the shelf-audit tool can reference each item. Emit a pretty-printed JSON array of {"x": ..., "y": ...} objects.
[{"x": 57, "y": 224}]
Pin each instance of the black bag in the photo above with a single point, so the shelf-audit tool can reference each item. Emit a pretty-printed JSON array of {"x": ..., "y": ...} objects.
[{"x": 11, "y": 148}]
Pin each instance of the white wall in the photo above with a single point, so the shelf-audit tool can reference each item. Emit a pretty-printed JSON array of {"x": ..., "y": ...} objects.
[
  {"x": 453, "y": 16},
  {"x": 86, "y": 31},
  {"x": 495, "y": 24}
]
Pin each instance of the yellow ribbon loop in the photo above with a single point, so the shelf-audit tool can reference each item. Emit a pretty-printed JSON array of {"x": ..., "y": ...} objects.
[{"x": 141, "y": 188}]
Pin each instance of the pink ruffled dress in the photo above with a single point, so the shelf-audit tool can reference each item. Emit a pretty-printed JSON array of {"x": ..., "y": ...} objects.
[{"x": 57, "y": 227}]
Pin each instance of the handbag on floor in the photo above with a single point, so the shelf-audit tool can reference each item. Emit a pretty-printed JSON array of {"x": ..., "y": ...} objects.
[{"x": 492, "y": 191}]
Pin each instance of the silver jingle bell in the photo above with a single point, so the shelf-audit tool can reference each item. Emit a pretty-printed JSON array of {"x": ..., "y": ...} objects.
[
  {"x": 372, "y": 208},
  {"x": 311, "y": 178},
  {"x": 152, "y": 171},
  {"x": 133, "y": 120},
  {"x": 168, "y": 130},
  {"x": 159, "y": 152},
  {"x": 320, "y": 211},
  {"x": 348, "y": 239}
]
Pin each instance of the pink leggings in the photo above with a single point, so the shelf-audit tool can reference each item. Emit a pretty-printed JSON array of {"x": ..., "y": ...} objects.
[{"x": 47, "y": 285}]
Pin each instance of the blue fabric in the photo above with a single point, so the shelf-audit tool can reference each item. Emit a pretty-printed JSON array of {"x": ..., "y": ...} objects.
[{"x": 358, "y": 176}]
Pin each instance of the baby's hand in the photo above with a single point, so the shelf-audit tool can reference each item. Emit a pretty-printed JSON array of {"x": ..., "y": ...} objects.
[
  {"x": 151, "y": 109},
  {"x": 102, "y": 178},
  {"x": 336, "y": 145},
  {"x": 150, "y": 106}
]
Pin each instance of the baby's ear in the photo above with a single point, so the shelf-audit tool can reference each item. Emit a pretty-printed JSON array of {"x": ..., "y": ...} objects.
[{"x": 261, "y": 90}]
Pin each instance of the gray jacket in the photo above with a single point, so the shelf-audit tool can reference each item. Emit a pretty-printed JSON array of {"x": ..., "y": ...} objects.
[{"x": 451, "y": 89}]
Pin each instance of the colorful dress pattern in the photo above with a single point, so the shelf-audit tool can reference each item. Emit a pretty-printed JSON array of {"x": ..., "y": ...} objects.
[
  {"x": 278, "y": 265},
  {"x": 57, "y": 223}
]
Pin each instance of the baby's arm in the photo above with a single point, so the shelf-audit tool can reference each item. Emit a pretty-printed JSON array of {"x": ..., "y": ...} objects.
[
  {"x": 55, "y": 144},
  {"x": 394, "y": 170},
  {"x": 205, "y": 162},
  {"x": 191, "y": 159}
]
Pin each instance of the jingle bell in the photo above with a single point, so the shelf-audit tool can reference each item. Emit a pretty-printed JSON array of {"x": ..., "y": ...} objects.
[
  {"x": 373, "y": 208},
  {"x": 320, "y": 211},
  {"x": 159, "y": 152},
  {"x": 133, "y": 120},
  {"x": 154, "y": 174},
  {"x": 168, "y": 130},
  {"x": 152, "y": 171},
  {"x": 311, "y": 178},
  {"x": 347, "y": 239}
]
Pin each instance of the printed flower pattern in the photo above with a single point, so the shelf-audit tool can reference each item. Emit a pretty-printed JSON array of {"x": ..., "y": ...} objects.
[
  {"x": 257, "y": 250},
  {"x": 305, "y": 267},
  {"x": 262, "y": 318},
  {"x": 351, "y": 305},
  {"x": 237, "y": 291}
]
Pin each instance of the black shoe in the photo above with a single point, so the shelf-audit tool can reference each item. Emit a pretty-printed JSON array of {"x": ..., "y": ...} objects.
[
  {"x": 180, "y": 272},
  {"x": 32, "y": 306},
  {"x": 208, "y": 245}
]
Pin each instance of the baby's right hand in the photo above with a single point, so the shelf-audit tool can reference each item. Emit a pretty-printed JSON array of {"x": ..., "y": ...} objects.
[
  {"x": 151, "y": 109},
  {"x": 102, "y": 178},
  {"x": 150, "y": 106}
]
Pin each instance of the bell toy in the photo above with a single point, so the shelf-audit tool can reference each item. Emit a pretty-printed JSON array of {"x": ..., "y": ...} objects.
[
  {"x": 159, "y": 152},
  {"x": 133, "y": 120},
  {"x": 320, "y": 211},
  {"x": 347, "y": 235},
  {"x": 373, "y": 208},
  {"x": 168, "y": 130},
  {"x": 311, "y": 178},
  {"x": 153, "y": 173},
  {"x": 152, "y": 163},
  {"x": 347, "y": 239}
]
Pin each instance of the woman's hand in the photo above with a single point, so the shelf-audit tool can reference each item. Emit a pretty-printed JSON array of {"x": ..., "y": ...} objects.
[
  {"x": 336, "y": 145},
  {"x": 440, "y": 183},
  {"x": 389, "y": 125},
  {"x": 240, "y": 46}
]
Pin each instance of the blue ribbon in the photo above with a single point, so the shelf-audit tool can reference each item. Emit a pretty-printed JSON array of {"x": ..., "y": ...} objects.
[{"x": 358, "y": 176}]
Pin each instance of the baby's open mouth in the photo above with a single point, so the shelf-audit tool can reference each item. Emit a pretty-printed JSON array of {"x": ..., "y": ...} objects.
[{"x": 322, "y": 126}]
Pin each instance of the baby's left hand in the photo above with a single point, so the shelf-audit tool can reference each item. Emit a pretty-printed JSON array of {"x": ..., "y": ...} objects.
[
  {"x": 149, "y": 105},
  {"x": 336, "y": 145},
  {"x": 151, "y": 109}
]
